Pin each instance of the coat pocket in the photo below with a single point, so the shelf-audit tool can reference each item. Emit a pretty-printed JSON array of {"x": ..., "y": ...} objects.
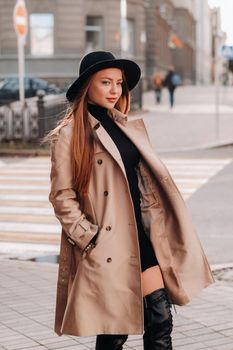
[{"x": 147, "y": 187}]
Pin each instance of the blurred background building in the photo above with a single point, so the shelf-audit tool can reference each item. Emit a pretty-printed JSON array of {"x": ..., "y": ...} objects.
[
  {"x": 185, "y": 24},
  {"x": 155, "y": 33},
  {"x": 159, "y": 28},
  {"x": 219, "y": 66},
  {"x": 61, "y": 31},
  {"x": 203, "y": 41}
]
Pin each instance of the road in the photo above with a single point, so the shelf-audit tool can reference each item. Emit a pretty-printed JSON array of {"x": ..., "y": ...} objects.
[
  {"x": 28, "y": 228},
  {"x": 204, "y": 178},
  {"x": 26, "y": 216}
]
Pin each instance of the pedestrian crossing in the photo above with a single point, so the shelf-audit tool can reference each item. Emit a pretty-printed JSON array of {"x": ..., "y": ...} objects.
[
  {"x": 26, "y": 216},
  {"x": 191, "y": 174}
]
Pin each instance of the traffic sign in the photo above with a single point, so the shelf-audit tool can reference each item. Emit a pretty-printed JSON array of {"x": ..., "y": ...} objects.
[
  {"x": 20, "y": 18},
  {"x": 21, "y": 27},
  {"x": 227, "y": 52}
]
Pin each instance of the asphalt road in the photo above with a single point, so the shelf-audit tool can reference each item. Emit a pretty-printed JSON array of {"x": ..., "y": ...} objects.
[
  {"x": 211, "y": 207},
  {"x": 192, "y": 125}
]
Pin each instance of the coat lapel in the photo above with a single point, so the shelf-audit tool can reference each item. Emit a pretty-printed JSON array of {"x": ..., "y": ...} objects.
[
  {"x": 137, "y": 133},
  {"x": 106, "y": 141}
]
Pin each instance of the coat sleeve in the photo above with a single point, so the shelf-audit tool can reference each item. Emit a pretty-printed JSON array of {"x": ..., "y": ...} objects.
[{"x": 64, "y": 198}]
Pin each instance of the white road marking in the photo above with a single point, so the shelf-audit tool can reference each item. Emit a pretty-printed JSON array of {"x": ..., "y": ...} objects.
[
  {"x": 26, "y": 211},
  {"x": 188, "y": 174}
]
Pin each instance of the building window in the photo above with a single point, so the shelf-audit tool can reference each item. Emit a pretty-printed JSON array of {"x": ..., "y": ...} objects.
[
  {"x": 128, "y": 37},
  {"x": 94, "y": 33},
  {"x": 42, "y": 34}
]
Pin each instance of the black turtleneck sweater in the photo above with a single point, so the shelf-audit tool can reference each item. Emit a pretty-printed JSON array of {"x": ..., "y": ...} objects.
[{"x": 130, "y": 157}]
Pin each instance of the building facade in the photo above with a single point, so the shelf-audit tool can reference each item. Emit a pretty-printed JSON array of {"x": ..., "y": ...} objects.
[
  {"x": 155, "y": 33},
  {"x": 170, "y": 27},
  {"x": 62, "y": 31},
  {"x": 219, "y": 65},
  {"x": 184, "y": 56},
  {"x": 203, "y": 42},
  {"x": 159, "y": 26}
]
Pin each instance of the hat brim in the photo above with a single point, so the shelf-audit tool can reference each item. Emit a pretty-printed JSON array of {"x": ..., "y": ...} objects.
[{"x": 131, "y": 70}]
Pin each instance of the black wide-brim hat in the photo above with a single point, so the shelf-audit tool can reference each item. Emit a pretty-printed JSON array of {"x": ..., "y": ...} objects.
[{"x": 98, "y": 60}]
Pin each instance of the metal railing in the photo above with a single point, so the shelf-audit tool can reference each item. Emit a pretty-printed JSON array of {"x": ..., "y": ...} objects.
[{"x": 30, "y": 121}]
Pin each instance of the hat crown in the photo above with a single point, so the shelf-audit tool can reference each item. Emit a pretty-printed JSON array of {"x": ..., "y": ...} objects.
[{"x": 93, "y": 58}]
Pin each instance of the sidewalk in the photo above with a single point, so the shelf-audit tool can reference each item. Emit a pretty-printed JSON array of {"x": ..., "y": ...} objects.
[
  {"x": 27, "y": 300},
  {"x": 192, "y": 123}
]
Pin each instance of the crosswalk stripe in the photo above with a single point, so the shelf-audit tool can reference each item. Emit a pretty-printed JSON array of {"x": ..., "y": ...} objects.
[
  {"x": 26, "y": 210},
  {"x": 23, "y": 197},
  {"x": 25, "y": 178},
  {"x": 30, "y": 237},
  {"x": 213, "y": 161},
  {"x": 24, "y": 187},
  {"x": 190, "y": 174},
  {"x": 24, "y": 166},
  {"x": 27, "y": 216},
  {"x": 30, "y": 171},
  {"x": 28, "y": 227}
]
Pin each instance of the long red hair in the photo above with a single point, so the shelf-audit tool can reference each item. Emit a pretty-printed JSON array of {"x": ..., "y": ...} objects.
[{"x": 82, "y": 142}]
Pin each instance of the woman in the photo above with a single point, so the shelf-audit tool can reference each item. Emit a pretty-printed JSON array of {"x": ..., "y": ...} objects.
[{"x": 128, "y": 248}]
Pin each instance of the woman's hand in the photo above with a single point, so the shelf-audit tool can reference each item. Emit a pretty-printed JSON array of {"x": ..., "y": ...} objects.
[{"x": 91, "y": 244}]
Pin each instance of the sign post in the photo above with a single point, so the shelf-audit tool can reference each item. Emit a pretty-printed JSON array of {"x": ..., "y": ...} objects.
[
  {"x": 21, "y": 28},
  {"x": 124, "y": 28}
]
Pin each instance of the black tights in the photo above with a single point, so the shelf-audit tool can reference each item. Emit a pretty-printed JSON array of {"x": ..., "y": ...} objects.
[{"x": 157, "y": 325}]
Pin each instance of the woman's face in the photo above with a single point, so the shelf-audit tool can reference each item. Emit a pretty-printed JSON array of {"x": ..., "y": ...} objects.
[{"x": 106, "y": 87}]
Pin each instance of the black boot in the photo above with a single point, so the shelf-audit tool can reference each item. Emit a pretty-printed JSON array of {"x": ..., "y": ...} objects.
[
  {"x": 158, "y": 321},
  {"x": 110, "y": 341}
]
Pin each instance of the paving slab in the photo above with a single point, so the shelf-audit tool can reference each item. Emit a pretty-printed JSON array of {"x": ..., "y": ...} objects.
[{"x": 27, "y": 302}]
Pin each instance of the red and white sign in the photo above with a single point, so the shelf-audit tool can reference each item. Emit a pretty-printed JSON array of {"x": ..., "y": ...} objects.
[{"x": 20, "y": 18}]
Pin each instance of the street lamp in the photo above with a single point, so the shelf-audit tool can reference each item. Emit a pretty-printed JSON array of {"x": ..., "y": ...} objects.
[
  {"x": 217, "y": 36},
  {"x": 21, "y": 28},
  {"x": 124, "y": 27}
]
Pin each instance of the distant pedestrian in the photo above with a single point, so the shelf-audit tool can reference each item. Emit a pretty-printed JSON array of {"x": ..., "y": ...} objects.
[
  {"x": 158, "y": 85},
  {"x": 171, "y": 81},
  {"x": 119, "y": 209}
]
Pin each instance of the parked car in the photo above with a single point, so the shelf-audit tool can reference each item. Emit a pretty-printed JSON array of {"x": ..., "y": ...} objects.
[{"x": 9, "y": 88}]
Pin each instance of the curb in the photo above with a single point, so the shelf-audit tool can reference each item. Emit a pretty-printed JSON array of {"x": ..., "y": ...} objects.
[
  {"x": 39, "y": 153},
  {"x": 217, "y": 267},
  {"x": 220, "y": 144},
  {"x": 23, "y": 153}
]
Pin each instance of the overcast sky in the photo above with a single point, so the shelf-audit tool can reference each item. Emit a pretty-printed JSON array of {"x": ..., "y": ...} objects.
[{"x": 226, "y": 15}]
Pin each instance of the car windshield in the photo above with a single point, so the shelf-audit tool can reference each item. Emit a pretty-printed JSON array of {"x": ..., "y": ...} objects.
[
  {"x": 13, "y": 84},
  {"x": 2, "y": 82}
]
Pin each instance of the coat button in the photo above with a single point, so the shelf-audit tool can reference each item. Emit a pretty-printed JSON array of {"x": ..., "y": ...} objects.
[
  {"x": 99, "y": 161},
  {"x": 108, "y": 228},
  {"x": 106, "y": 193},
  {"x": 97, "y": 126},
  {"x": 109, "y": 260}
]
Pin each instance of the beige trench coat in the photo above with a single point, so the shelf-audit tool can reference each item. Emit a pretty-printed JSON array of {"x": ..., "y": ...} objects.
[{"x": 100, "y": 292}]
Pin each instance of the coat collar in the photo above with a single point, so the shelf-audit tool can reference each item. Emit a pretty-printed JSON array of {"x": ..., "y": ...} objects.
[
  {"x": 113, "y": 113},
  {"x": 136, "y": 131}
]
